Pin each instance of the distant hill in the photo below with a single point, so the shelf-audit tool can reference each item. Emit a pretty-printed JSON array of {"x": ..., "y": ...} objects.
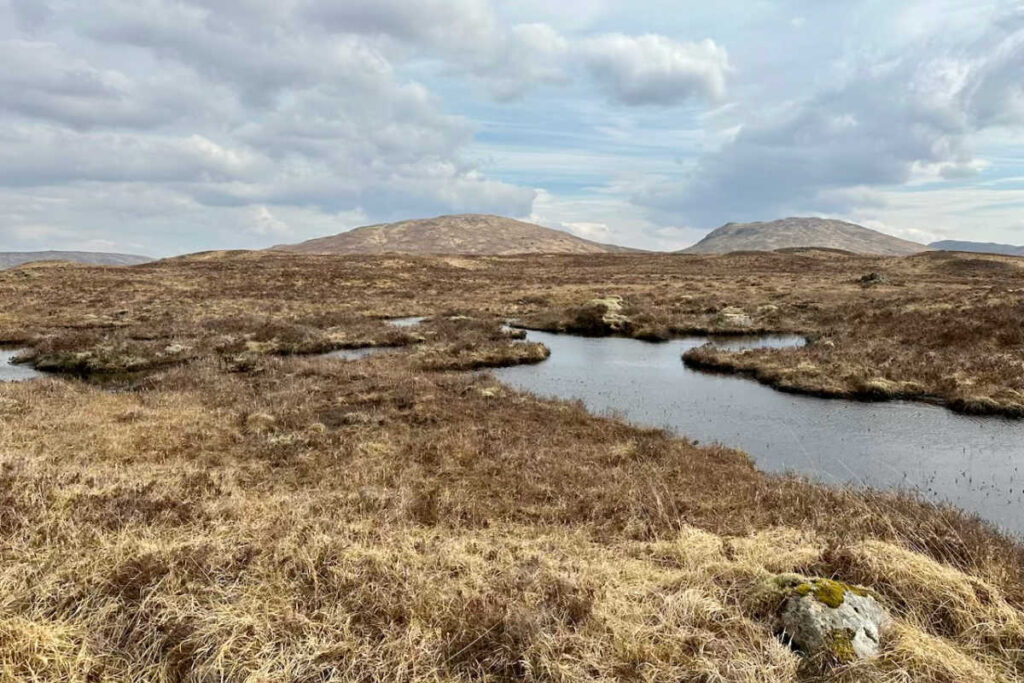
[
  {"x": 802, "y": 233},
  {"x": 462, "y": 234},
  {"x": 10, "y": 259},
  {"x": 978, "y": 247}
]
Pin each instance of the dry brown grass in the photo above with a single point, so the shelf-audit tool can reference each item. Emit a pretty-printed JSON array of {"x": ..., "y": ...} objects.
[{"x": 296, "y": 518}]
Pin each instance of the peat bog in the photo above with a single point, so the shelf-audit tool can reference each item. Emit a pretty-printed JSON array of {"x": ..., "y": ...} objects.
[{"x": 245, "y": 509}]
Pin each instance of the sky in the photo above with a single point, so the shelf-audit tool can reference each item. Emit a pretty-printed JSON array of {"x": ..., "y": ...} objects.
[{"x": 170, "y": 126}]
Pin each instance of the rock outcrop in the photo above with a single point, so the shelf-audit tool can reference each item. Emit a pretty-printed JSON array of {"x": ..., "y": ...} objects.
[{"x": 822, "y": 617}]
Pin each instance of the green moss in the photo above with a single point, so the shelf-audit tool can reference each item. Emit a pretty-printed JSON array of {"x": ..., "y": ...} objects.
[
  {"x": 827, "y": 591},
  {"x": 840, "y": 646}
]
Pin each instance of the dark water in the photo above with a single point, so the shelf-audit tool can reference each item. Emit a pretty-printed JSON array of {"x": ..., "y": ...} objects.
[
  {"x": 974, "y": 463},
  {"x": 15, "y": 373}
]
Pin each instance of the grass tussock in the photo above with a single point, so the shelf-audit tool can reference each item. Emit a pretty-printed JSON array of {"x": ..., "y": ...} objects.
[
  {"x": 297, "y": 518},
  {"x": 457, "y": 342}
]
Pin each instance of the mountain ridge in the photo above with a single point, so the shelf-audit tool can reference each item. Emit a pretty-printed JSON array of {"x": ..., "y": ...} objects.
[
  {"x": 12, "y": 259},
  {"x": 803, "y": 233},
  {"x": 458, "y": 234},
  {"x": 978, "y": 247}
]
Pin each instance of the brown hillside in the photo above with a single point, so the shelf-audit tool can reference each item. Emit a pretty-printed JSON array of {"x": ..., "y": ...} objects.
[
  {"x": 794, "y": 233},
  {"x": 461, "y": 234}
]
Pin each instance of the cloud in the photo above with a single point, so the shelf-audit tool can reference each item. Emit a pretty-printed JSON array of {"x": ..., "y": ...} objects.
[
  {"x": 30, "y": 14},
  {"x": 527, "y": 56},
  {"x": 43, "y": 81},
  {"x": 264, "y": 222},
  {"x": 653, "y": 69},
  {"x": 509, "y": 61},
  {"x": 34, "y": 155},
  {"x": 449, "y": 25},
  {"x": 228, "y": 107},
  {"x": 186, "y": 124},
  {"x": 995, "y": 95},
  {"x": 256, "y": 108},
  {"x": 885, "y": 124}
]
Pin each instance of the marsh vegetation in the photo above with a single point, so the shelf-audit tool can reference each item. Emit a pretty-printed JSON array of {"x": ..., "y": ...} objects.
[{"x": 240, "y": 508}]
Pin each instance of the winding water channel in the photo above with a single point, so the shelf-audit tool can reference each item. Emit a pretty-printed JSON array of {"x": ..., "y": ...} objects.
[{"x": 974, "y": 463}]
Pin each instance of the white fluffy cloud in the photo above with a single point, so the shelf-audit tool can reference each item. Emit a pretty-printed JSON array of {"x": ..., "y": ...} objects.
[
  {"x": 892, "y": 121},
  {"x": 222, "y": 106},
  {"x": 250, "y": 109},
  {"x": 173, "y": 125},
  {"x": 653, "y": 69}
]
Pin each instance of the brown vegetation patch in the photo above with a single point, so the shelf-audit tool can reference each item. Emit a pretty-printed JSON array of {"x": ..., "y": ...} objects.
[{"x": 978, "y": 267}]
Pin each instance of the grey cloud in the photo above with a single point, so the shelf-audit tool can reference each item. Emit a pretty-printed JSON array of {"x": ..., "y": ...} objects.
[
  {"x": 526, "y": 56},
  {"x": 42, "y": 81},
  {"x": 996, "y": 94},
  {"x": 296, "y": 105},
  {"x": 30, "y": 14},
  {"x": 880, "y": 127},
  {"x": 227, "y": 106},
  {"x": 509, "y": 61},
  {"x": 43, "y": 155},
  {"x": 446, "y": 24},
  {"x": 258, "y": 60}
]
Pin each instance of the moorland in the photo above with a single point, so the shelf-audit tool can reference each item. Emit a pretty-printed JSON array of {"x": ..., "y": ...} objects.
[{"x": 197, "y": 495}]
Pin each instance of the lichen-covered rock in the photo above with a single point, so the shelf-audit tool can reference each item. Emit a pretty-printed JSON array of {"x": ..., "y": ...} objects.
[{"x": 830, "y": 618}]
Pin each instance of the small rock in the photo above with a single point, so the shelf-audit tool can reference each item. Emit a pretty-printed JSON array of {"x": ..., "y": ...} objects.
[{"x": 822, "y": 616}]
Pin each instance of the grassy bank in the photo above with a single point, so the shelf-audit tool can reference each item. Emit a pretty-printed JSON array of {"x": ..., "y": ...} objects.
[
  {"x": 295, "y": 518},
  {"x": 808, "y": 373},
  {"x": 939, "y": 327}
]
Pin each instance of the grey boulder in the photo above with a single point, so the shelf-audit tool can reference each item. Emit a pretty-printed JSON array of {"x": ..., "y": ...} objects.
[{"x": 830, "y": 618}]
